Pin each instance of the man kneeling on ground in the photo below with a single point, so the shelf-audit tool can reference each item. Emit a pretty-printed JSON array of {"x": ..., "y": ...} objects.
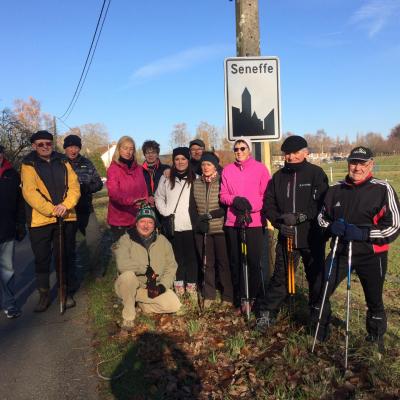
[{"x": 147, "y": 268}]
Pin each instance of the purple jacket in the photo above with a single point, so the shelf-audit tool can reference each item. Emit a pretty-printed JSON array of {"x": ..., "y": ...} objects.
[
  {"x": 247, "y": 179},
  {"x": 125, "y": 186}
]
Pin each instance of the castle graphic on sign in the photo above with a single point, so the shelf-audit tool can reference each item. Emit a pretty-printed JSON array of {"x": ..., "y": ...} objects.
[{"x": 246, "y": 123}]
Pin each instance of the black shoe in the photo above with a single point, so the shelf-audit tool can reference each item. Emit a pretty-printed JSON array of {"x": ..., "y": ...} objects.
[
  {"x": 378, "y": 340},
  {"x": 12, "y": 312},
  {"x": 69, "y": 302},
  {"x": 265, "y": 321},
  {"x": 44, "y": 301}
]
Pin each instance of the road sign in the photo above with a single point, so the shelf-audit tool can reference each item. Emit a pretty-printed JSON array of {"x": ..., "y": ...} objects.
[{"x": 252, "y": 98}]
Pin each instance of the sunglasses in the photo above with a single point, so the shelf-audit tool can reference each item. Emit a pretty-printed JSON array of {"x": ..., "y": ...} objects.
[
  {"x": 237, "y": 149},
  {"x": 44, "y": 144}
]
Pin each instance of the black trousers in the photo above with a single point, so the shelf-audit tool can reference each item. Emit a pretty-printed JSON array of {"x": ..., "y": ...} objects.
[
  {"x": 118, "y": 231},
  {"x": 371, "y": 271},
  {"x": 217, "y": 262},
  {"x": 186, "y": 257},
  {"x": 277, "y": 290},
  {"x": 45, "y": 243},
  {"x": 254, "y": 239}
]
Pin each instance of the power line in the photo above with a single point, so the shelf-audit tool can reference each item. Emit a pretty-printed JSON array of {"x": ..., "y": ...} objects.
[{"x": 89, "y": 59}]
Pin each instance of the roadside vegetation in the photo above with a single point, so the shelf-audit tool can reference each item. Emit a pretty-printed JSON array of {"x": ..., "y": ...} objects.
[{"x": 217, "y": 355}]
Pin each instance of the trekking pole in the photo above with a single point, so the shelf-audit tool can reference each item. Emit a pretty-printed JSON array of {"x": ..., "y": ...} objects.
[
  {"x": 325, "y": 291},
  {"x": 61, "y": 292},
  {"x": 204, "y": 266},
  {"x": 246, "y": 300},
  {"x": 291, "y": 273},
  {"x": 348, "y": 303}
]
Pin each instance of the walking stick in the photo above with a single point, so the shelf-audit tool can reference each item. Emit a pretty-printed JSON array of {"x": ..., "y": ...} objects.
[
  {"x": 291, "y": 271},
  {"x": 348, "y": 303},
  {"x": 204, "y": 266},
  {"x": 61, "y": 292},
  {"x": 325, "y": 291},
  {"x": 246, "y": 299}
]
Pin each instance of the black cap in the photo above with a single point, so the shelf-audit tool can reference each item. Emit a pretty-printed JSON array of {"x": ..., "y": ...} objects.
[
  {"x": 210, "y": 157},
  {"x": 360, "y": 153},
  {"x": 293, "y": 143},
  {"x": 72, "y": 140},
  {"x": 199, "y": 142},
  {"x": 41, "y": 135},
  {"x": 181, "y": 151}
]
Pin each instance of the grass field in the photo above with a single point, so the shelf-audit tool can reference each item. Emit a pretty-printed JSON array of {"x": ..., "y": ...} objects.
[{"x": 216, "y": 355}]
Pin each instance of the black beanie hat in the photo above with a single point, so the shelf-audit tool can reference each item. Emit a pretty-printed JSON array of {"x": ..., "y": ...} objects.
[
  {"x": 197, "y": 142},
  {"x": 181, "y": 151},
  {"x": 41, "y": 135},
  {"x": 293, "y": 143},
  {"x": 72, "y": 140},
  {"x": 210, "y": 157}
]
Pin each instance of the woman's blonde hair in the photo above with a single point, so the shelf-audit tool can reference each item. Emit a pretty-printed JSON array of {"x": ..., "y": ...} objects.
[{"x": 121, "y": 141}]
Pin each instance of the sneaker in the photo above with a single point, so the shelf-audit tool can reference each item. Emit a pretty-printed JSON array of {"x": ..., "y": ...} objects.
[
  {"x": 179, "y": 288},
  {"x": 265, "y": 321},
  {"x": 12, "y": 312},
  {"x": 128, "y": 325},
  {"x": 70, "y": 302}
]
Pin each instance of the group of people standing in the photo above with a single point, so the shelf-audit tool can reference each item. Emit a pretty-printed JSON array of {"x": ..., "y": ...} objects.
[{"x": 179, "y": 230}]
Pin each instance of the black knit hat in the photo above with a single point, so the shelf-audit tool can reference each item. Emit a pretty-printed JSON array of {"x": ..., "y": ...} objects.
[
  {"x": 41, "y": 135},
  {"x": 72, "y": 140},
  {"x": 210, "y": 157},
  {"x": 197, "y": 142},
  {"x": 293, "y": 143},
  {"x": 181, "y": 151},
  {"x": 360, "y": 153}
]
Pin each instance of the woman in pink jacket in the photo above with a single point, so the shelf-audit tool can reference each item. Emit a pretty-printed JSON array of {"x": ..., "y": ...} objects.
[
  {"x": 244, "y": 183},
  {"x": 126, "y": 187}
]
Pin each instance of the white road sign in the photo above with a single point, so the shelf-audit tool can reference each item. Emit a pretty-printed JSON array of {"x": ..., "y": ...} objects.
[{"x": 252, "y": 98}]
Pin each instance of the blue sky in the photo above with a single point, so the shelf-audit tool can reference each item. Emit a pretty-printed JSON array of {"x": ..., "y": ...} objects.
[{"x": 159, "y": 63}]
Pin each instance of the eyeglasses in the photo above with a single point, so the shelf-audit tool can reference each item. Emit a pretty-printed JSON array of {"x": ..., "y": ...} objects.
[
  {"x": 44, "y": 144},
  {"x": 237, "y": 149}
]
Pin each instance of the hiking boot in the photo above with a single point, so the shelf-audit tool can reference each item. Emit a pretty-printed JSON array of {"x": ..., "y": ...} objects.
[
  {"x": 265, "y": 321},
  {"x": 44, "y": 301},
  {"x": 128, "y": 325},
  {"x": 12, "y": 312},
  {"x": 378, "y": 340},
  {"x": 323, "y": 334},
  {"x": 69, "y": 301}
]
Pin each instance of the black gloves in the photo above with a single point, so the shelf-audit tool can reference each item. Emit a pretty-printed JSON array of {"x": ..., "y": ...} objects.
[
  {"x": 20, "y": 232},
  {"x": 150, "y": 274},
  {"x": 155, "y": 291},
  {"x": 349, "y": 232},
  {"x": 241, "y": 204},
  {"x": 286, "y": 230},
  {"x": 292, "y": 219},
  {"x": 353, "y": 232},
  {"x": 202, "y": 225}
]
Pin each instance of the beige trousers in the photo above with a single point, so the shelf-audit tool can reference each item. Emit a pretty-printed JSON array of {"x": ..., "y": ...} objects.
[{"x": 128, "y": 288}]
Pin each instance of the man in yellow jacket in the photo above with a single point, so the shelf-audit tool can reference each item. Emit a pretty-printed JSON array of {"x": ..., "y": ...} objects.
[{"x": 51, "y": 190}]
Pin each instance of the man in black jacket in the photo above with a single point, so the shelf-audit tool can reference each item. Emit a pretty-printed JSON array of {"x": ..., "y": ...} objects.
[
  {"x": 12, "y": 226},
  {"x": 293, "y": 199},
  {"x": 365, "y": 212},
  {"x": 90, "y": 182}
]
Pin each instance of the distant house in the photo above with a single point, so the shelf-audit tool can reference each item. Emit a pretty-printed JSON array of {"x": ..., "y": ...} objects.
[{"x": 107, "y": 155}]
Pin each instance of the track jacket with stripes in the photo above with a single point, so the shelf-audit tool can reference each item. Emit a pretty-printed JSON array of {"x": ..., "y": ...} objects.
[{"x": 373, "y": 203}]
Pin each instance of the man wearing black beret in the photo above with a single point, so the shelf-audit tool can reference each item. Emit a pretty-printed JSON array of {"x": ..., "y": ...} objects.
[
  {"x": 51, "y": 190},
  {"x": 90, "y": 182},
  {"x": 293, "y": 199}
]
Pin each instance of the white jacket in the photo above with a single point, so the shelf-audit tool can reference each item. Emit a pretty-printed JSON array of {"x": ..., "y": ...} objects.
[{"x": 166, "y": 199}]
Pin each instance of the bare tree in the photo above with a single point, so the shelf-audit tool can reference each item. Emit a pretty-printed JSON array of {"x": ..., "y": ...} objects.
[
  {"x": 179, "y": 135},
  {"x": 209, "y": 134}
]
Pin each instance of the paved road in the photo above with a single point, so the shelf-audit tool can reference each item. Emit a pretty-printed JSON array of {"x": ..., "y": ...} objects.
[{"x": 44, "y": 356}]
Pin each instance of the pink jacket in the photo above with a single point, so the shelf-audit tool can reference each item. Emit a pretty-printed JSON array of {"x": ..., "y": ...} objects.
[
  {"x": 247, "y": 179},
  {"x": 125, "y": 186}
]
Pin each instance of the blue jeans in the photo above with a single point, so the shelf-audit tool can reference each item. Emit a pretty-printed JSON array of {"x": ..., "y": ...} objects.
[{"x": 7, "y": 274}]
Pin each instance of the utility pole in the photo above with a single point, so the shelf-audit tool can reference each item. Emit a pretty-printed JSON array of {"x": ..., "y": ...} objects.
[{"x": 247, "y": 45}]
